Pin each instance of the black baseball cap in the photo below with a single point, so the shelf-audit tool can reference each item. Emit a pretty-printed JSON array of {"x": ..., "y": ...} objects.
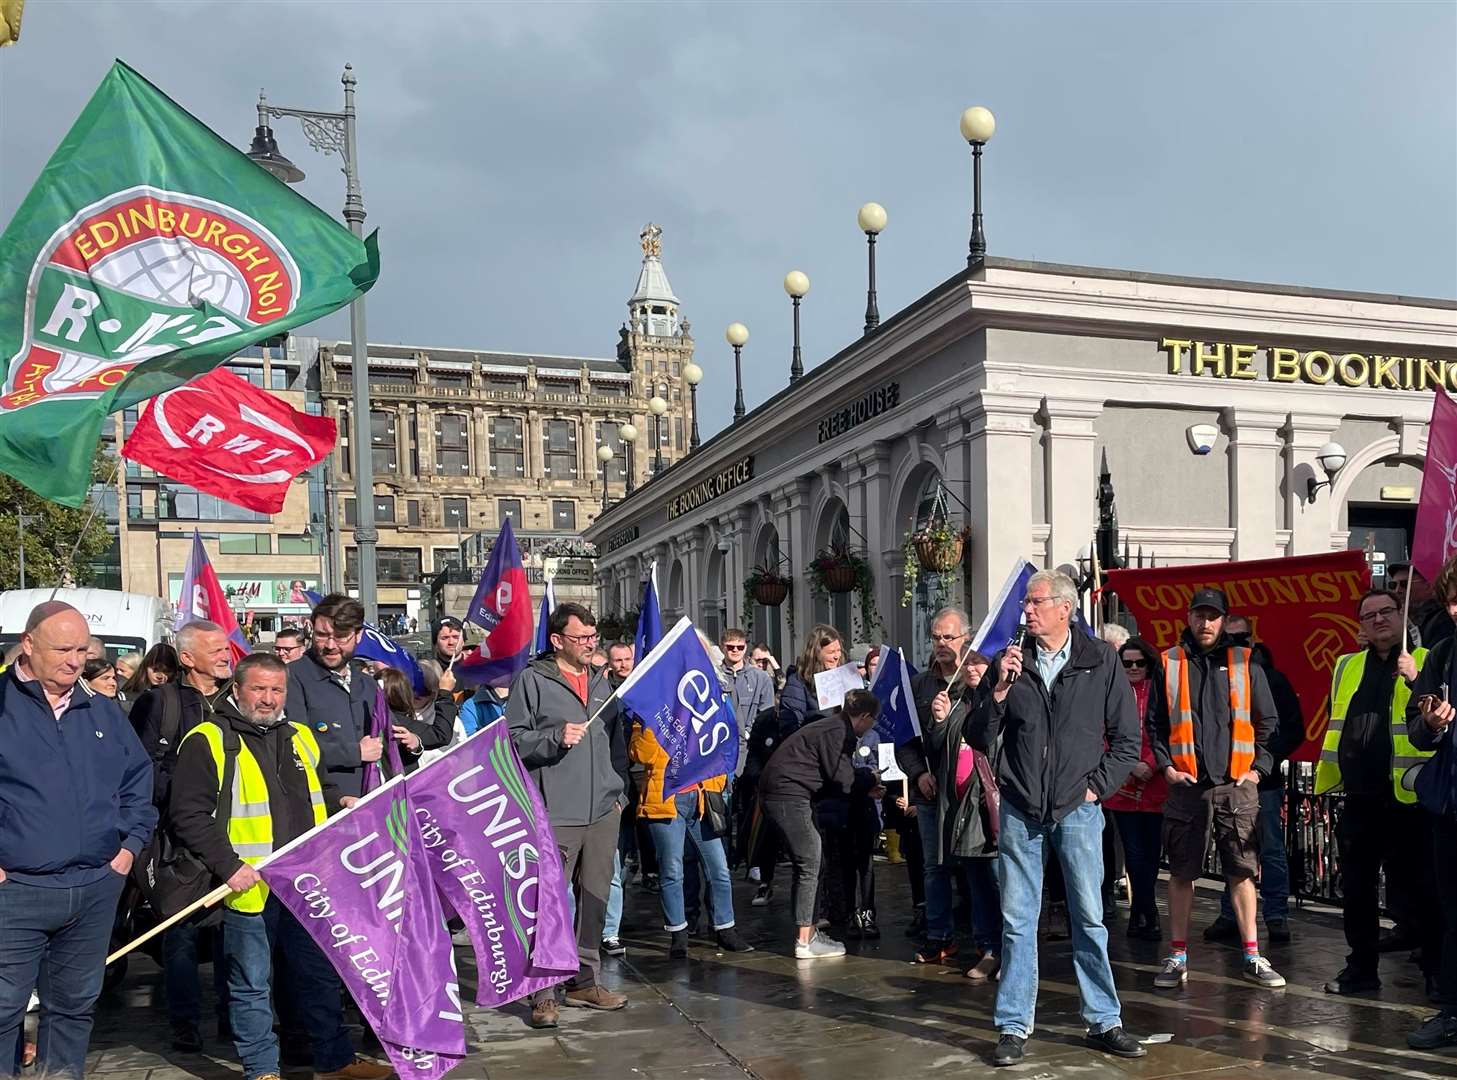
[{"x": 1210, "y": 598}]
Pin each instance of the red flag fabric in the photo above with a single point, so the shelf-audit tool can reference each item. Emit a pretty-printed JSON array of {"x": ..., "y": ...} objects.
[
  {"x": 1435, "y": 539},
  {"x": 229, "y": 438},
  {"x": 202, "y": 597},
  {"x": 1303, "y": 608}
]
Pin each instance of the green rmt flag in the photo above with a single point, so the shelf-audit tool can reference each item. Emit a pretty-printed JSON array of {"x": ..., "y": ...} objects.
[{"x": 148, "y": 252}]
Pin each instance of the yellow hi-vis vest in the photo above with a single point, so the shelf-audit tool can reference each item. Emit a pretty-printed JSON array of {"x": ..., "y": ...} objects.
[
  {"x": 1405, "y": 758},
  {"x": 250, "y": 824}
]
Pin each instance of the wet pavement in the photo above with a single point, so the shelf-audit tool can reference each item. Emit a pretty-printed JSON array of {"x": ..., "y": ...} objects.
[{"x": 873, "y": 1013}]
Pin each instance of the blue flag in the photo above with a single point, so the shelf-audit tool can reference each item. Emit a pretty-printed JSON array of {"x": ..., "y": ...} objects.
[
  {"x": 374, "y": 645},
  {"x": 649, "y": 619},
  {"x": 548, "y": 605},
  {"x": 502, "y": 608},
  {"x": 1005, "y": 613},
  {"x": 676, "y": 695},
  {"x": 898, "y": 722}
]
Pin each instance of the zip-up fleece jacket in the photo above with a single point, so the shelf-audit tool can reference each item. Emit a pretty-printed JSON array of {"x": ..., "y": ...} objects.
[
  {"x": 73, "y": 792},
  {"x": 581, "y": 783},
  {"x": 195, "y": 783},
  {"x": 1054, "y": 737},
  {"x": 815, "y": 760}
]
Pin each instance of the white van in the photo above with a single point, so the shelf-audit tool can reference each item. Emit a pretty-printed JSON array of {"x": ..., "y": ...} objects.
[{"x": 126, "y": 622}]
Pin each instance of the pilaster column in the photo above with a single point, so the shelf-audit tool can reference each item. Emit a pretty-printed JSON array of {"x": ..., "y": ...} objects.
[
  {"x": 792, "y": 514},
  {"x": 1070, "y": 476},
  {"x": 1310, "y": 522},
  {"x": 867, "y": 490},
  {"x": 480, "y": 442},
  {"x": 1255, "y": 446},
  {"x": 1000, "y": 432},
  {"x": 735, "y": 563},
  {"x": 531, "y": 452},
  {"x": 405, "y": 452}
]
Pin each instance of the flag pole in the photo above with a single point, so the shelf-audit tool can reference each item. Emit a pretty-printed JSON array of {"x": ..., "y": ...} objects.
[
  {"x": 1406, "y": 610},
  {"x": 220, "y": 893}
]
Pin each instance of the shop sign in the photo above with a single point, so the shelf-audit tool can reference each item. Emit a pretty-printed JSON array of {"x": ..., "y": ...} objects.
[
  {"x": 868, "y": 407},
  {"x": 1225, "y": 360},
  {"x": 621, "y": 538},
  {"x": 705, "y": 491},
  {"x": 245, "y": 593}
]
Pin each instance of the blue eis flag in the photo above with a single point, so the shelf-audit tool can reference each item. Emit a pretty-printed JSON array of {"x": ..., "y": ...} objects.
[
  {"x": 649, "y": 619},
  {"x": 898, "y": 722},
  {"x": 1005, "y": 613},
  {"x": 676, "y": 695}
]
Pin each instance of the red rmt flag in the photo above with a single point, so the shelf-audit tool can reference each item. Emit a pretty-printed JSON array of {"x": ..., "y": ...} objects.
[{"x": 229, "y": 438}]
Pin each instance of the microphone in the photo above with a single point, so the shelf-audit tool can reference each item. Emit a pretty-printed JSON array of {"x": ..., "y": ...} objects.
[{"x": 1019, "y": 639}]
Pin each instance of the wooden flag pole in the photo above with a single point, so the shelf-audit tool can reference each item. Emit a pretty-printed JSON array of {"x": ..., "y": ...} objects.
[
  {"x": 216, "y": 896},
  {"x": 1406, "y": 611}
]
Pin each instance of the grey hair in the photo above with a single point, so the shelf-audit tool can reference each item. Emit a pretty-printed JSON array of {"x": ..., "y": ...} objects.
[
  {"x": 953, "y": 613},
  {"x": 188, "y": 635},
  {"x": 1114, "y": 634},
  {"x": 1058, "y": 584}
]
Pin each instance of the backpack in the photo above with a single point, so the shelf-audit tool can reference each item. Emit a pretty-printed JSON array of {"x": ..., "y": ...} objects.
[{"x": 169, "y": 876}]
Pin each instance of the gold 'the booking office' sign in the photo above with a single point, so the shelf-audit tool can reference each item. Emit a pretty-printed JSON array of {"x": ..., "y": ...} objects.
[{"x": 1224, "y": 360}]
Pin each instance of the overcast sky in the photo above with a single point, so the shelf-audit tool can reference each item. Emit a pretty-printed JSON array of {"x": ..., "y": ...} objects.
[{"x": 511, "y": 152}]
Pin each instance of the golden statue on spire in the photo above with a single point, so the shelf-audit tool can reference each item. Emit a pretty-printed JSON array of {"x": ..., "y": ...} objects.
[{"x": 652, "y": 240}]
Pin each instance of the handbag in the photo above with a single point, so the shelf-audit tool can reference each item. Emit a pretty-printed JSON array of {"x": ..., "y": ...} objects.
[
  {"x": 991, "y": 794},
  {"x": 715, "y": 814}
]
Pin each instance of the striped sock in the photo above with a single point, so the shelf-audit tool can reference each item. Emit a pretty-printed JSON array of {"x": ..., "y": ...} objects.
[
  {"x": 1179, "y": 950},
  {"x": 1252, "y": 949}
]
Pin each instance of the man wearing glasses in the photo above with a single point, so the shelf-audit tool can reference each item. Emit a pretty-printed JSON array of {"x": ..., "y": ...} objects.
[
  {"x": 289, "y": 644},
  {"x": 753, "y": 687},
  {"x": 330, "y": 693},
  {"x": 570, "y": 734},
  {"x": 1367, "y": 756}
]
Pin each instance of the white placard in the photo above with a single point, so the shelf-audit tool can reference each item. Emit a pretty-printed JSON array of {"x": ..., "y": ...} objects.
[
  {"x": 889, "y": 770},
  {"x": 832, "y": 686}
]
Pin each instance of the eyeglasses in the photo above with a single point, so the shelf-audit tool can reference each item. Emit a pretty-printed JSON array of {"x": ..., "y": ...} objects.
[
  {"x": 287, "y": 649},
  {"x": 943, "y": 638},
  {"x": 322, "y": 637},
  {"x": 1383, "y": 613},
  {"x": 582, "y": 639},
  {"x": 1037, "y": 601},
  {"x": 730, "y": 646},
  {"x": 1134, "y": 663}
]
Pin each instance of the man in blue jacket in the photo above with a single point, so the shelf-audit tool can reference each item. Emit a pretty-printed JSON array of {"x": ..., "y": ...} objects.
[{"x": 76, "y": 799}]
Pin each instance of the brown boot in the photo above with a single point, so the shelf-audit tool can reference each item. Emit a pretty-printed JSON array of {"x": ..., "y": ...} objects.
[
  {"x": 544, "y": 1013},
  {"x": 596, "y": 997},
  {"x": 359, "y": 1069}
]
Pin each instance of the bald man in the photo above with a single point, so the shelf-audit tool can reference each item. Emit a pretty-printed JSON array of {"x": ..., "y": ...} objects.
[{"x": 76, "y": 799}]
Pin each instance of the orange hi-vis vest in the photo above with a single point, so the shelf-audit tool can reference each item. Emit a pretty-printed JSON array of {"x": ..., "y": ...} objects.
[{"x": 1181, "y": 713}]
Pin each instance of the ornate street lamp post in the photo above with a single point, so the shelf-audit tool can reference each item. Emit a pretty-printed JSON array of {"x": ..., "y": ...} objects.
[
  {"x": 605, "y": 455},
  {"x": 977, "y": 127},
  {"x": 737, "y": 335},
  {"x": 657, "y": 405},
  {"x": 871, "y": 220},
  {"x": 628, "y": 434},
  {"x": 796, "y": 284},
  {"x": 693, "y": 375}
]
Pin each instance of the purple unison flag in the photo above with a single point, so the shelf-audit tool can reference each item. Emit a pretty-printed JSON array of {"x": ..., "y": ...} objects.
[
  {"x": 676, "y": 694},
  {"x": 493, "y": 855},
  {"x": 360, "y": 884}
]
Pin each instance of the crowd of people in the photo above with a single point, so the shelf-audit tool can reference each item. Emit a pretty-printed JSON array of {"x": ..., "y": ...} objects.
[{"x": 1042, "y": 776}]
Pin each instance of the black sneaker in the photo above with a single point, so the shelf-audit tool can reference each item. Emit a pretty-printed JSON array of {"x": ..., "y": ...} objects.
[
  {"x": 186, "y": 1039},
  {"x": 1353, "y": 982},
  {"x": 868, "y": 928},
  {"x": 613, "y": 947},
  {"x": 1436, "y": 1033},
  {"x": 1116, "y": 1041},
  {"x": 678, "y": 945},
  {"x": 917, "y": 926},
  {"x": 854, "y": 930},
  {"x": 1010, "y": 1050},
  {"x": 730, "y": 940},
  {"x": 1223, "y": 930}
]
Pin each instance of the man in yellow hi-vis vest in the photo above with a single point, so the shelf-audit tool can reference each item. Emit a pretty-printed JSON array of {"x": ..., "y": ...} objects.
[
  {"x": 246, "y": 783},
  {"x": 1367, "y": 757}
]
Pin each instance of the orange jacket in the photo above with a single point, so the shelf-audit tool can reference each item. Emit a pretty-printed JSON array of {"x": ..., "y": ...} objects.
[{"x": 644, "y": 750}]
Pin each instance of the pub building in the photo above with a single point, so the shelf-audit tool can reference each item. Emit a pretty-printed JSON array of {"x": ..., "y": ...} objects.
[{"x": 989, "y": 405}]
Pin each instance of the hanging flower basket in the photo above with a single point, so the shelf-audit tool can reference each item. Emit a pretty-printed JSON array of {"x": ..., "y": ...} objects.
[
  {"x": 937, "y": 552},
  {"x": 610, "y": 628},
  {"x": 841, "y": 578},
  {"x": 771, "y": 592},
  {"x": 839, "y": 570}
]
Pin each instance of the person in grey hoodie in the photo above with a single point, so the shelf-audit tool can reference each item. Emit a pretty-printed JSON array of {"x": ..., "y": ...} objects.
[{"x": 569, "y": 730}]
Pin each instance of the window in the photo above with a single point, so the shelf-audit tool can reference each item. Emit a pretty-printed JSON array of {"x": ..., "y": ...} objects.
[
  {"x": 414, "y": 445},
  {"x": 279, "y": 377},
  {"x": 384, "y": 508},
  {"x": 677, "y": 433},
  {"x": 452, "y": 444},
  {"x": 350, "y": 516},
  {"x": 673, "y": 367},
  {"x": 396, "y": 566},
  {"x": 129, "y": 419},
  {"x": 505, "y": 382},
  {"x": 443, "y": 557},
  {"x": 564, "y": 515},
  {"x": 404, "y": 380},
  {"x": 253, "y": 374},
  {"x": 412, "y": 511},
  {"x": 181, "y": 503},
  {"x": 244, "y": 544},
  {"x": 508, "y": 457},
  {"x": 344, "y": 450},
  {"x": 559, "y": 449},
  {"x": 456, "y": 513},
  {"x": 454, "y": 380},
  {"x": 508, "y": 508},
  {"x": 382, "y": 435},
  {"x": 610, "y": 389},
  {"x": 304, "y": 544},
  {"x": 608, "y": 434}
]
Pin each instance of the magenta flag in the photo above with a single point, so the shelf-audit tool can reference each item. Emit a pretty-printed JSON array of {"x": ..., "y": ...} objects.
[
  {"x": 202, "y": 597},
  {"x": 360, "y": 884},
  {"x": 1435, "y": 539},
  {"x": 493, "y": 855}
]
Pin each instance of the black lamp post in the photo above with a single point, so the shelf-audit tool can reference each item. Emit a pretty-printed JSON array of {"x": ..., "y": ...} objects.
[
  {"x": 628, "y": 434},
  {"x": 796, "y": 284},
  {"x": 737, "y": 335},
  {"x": 605, "y": 455},
  {"x": 871, "y": 220},
  {"x": 693, "y": 375},
  {"x": 657, "y": 406},
  {"x": 977, "y": 126}
]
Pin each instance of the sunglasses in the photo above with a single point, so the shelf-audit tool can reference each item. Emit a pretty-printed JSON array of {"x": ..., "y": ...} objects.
[
  {"x": 731, "y": 647},
  {"x": 1134, "y": 663}
]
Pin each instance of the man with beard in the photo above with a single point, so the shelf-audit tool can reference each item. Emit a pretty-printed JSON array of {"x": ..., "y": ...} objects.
[
  {"x": 330, "y": 693},
  {"x": 272, "y": 768}
]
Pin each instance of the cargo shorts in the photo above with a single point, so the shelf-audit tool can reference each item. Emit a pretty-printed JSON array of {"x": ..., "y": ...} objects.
[{"x": 1229, "y": 811}]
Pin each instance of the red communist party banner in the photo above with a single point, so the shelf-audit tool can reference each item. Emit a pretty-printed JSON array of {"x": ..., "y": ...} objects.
[
  {"x": 229, "y": 438},
  {"x": 1303, "y": 608}
]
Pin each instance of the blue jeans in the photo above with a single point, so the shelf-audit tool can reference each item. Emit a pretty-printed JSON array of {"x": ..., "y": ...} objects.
[
  {"x": 248, "y": 943},
  {"x": 54, "y": 939},
  {"x": 668, "y": 839},
  {"x": 1274, "y": 866},
  {"x": 613, "y": 924},
  {"x": 986, "y": 903},
  {"x": 937, "y": 874},
  {"x": 1077, "y": 840},
  {"x": 184, "y": 988}
]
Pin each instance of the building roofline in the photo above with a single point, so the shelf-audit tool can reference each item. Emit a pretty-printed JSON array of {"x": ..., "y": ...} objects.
[{"x": 342, "y": 346}]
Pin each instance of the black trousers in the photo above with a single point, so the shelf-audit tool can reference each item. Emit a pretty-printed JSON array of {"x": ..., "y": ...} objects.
[
  {"x": 588, "y": 858},
  {"x": 1376, "y": 830},
  {"x": 1444, "y": 870}
]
